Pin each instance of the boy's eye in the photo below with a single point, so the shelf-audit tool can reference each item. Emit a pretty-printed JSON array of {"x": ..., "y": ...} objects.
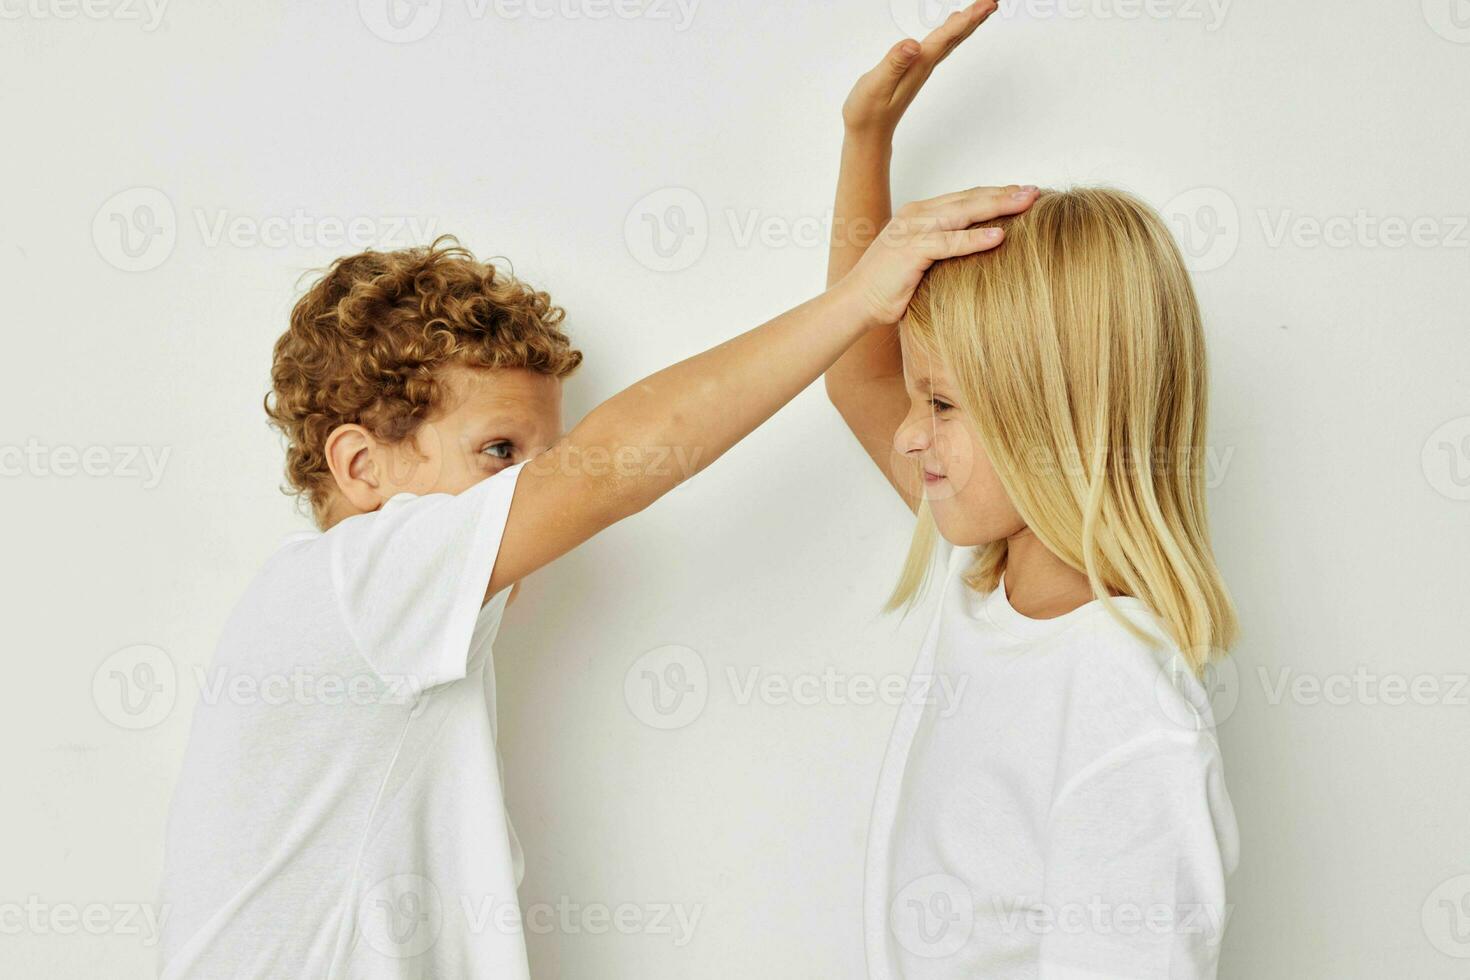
[{"x": 499, "y": 450}]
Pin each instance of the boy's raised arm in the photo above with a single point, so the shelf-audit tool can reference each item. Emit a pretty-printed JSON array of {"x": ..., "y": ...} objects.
[
  {"x": 654, "y": 435},
  {"x": 866, "y": 383}
]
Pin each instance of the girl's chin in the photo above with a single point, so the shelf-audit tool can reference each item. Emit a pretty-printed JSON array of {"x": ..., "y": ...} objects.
[
  {"x": 963, "y": 534},
  {"x": 960, "y": 537}
]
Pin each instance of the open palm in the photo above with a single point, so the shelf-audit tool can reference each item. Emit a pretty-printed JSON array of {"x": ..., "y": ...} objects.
[{"x": 879, "y": 99}]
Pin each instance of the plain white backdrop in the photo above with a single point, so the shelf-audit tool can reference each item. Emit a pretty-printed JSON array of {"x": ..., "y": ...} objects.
[{"x": 665, "y": 171}]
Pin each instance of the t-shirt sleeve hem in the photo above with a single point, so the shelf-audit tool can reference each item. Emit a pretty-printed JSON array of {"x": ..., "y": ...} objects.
[
  {"x": 469, "y": 599},
  {"x": 1153, "y": 742}
]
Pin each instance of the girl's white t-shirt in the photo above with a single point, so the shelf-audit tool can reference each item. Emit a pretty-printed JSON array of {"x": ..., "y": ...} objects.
[
  {"x": 340, "y": 811},
  {"x": 1061, "y": 814}
]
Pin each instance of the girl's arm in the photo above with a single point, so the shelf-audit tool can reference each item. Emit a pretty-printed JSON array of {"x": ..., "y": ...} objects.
[
  {"x": 866, "y": 383},
  {"x": 869, "y": 117},
  {"x": 651, "y": 437}
]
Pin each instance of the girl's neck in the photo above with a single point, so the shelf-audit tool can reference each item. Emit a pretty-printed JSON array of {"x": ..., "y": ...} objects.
[{"x": 1038, "y": 584}]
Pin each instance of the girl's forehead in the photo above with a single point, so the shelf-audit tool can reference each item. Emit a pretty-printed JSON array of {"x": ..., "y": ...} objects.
[{"x": 921, "y": 363}]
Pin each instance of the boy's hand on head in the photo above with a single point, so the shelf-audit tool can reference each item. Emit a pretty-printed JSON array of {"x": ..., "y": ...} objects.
[
  {"x": 923, "y": 233},
  {"x": 878, "y": 100}
]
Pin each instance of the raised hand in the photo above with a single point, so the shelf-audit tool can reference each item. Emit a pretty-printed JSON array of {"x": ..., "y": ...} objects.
[{"x": 879, "y": 99}]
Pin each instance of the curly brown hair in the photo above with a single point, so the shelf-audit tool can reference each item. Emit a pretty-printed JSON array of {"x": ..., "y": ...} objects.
[{"x": 369, "y": 337}]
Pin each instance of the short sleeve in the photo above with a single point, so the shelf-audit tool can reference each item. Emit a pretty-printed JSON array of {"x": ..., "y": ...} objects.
[
  {"x": 411, "y": 577},
  {"x": 1138, "y": 849}
]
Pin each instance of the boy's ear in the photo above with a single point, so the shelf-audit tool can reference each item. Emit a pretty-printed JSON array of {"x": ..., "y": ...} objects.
[{"x": 351, "y": 456}]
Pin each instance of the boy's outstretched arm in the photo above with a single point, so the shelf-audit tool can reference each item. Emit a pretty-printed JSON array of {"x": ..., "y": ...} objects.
[
  {"x": 651, "y": 437},
  {"x": 866, "y": 383}
]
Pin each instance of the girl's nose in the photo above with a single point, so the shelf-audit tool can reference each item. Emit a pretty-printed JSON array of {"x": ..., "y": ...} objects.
[{"x": 914, "y": 435}]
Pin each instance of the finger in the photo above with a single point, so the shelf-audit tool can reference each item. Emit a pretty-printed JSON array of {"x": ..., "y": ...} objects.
[
  {"x": 943, "y": 40},
  {"x": 971, "y": 207},
  {"x": 951, "y": 28},
  {"x": 956, "y": 28},
  {"x": 966, "y": 241},
  {"x": 953, "y": 196},
  {"x": 987, "y": 202},
  {"x": 901, "y": 56},
  {"x": 979, "y": 14},
  {"x": 1000, "y": 191},
  {"x": 885, "y": 77}
]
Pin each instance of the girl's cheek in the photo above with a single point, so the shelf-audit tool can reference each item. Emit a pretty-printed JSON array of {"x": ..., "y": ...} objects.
[
  {"x": 953, "y": 462},
  {"x": 957, "y": 459}
]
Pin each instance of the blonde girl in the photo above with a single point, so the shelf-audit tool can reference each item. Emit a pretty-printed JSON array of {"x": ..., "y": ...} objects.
[{"x": 1041, "y": 408}]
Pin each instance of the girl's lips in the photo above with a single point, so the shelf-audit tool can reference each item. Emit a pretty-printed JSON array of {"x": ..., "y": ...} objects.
[{"x": 932, "y": 477}]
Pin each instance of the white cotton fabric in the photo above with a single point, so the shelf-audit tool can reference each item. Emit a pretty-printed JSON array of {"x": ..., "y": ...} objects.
[
  {"x": 340, "y": 811},
  {"x": 1052, "y": 805}
]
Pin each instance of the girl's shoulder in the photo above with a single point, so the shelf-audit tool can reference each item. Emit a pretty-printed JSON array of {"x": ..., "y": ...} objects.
[{"x": 1127, "y": 680}]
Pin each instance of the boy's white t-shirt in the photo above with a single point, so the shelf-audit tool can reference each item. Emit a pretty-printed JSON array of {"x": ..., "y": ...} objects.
[
  {"x": 340, "y": 810},
  {"x": 1052, "y": 804}
]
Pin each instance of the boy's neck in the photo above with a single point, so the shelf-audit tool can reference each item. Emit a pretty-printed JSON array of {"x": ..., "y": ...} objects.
[{"x": 336, "y": 510}]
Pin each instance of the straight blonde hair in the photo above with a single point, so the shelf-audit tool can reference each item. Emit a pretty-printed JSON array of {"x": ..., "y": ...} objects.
[{"x": 1078, "y": 350}]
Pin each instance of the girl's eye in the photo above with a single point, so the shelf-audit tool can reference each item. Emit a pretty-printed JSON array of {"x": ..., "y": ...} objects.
[
  {"x": 939, "y": 405},
  {"x": 499, "y": 450}
]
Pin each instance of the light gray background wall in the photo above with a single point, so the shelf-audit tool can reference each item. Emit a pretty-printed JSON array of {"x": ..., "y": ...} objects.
[{"x": 169, "y": 172}]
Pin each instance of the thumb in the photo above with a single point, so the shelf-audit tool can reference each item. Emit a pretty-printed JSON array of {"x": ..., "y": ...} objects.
[{"x": 901, "y": 56}]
